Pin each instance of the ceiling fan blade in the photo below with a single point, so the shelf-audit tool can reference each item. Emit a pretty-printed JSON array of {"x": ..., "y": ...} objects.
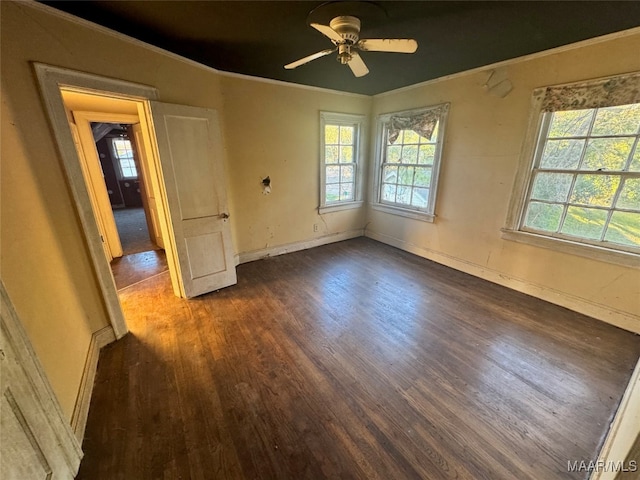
[
  {"x": 357, "y": 66},
  {"x": 309, "y": 58},
  {"x": 398, "y": 45},
  {"x": 327, "y": 31}
]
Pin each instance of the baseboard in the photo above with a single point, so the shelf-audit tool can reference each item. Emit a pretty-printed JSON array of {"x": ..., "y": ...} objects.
[
  {"x": 587, "y": 307},
  {"x": 623, "y": 431},
  {"x": 99, "y": 339},
  {"x": 296, "y": 246}
]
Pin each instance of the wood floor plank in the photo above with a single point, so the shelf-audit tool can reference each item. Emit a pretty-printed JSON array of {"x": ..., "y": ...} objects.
[{"x": 353, "y": 360}]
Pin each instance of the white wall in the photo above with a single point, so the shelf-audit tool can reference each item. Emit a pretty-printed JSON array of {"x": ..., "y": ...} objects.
[{"x": 484, "y": 136}]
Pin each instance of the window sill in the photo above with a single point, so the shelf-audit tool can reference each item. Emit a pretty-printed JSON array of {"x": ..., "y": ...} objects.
[
  {"x": 403, "y": 212},
  {"x": 336, "y": 207},
  {"x": 619, "y": 257}
]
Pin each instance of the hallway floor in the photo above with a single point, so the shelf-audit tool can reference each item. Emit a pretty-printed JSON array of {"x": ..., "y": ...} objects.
[
  {"x": 132, "y": 230},
  {"x": 131, "y": 269}
]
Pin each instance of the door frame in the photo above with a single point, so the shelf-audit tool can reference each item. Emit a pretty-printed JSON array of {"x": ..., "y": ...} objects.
[
  {"x": 95, "y": 180},
  {"x": 51, "y": 80}
]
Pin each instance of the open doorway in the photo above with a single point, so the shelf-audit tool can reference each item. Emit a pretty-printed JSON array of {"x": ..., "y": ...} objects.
[{"x": 120, "y": 159}]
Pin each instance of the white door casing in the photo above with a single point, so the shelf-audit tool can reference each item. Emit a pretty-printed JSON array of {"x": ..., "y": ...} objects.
[
  {"x": 95, "y": 177},
  {"x": 192, "y": 158}
]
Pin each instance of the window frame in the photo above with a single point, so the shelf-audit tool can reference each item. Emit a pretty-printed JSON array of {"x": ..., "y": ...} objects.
[
  {"x": 119, "y": 160},
  {"x": 347, "y": 120},
  {"x": 425, "y": 214},
  {"x": 514, "y": 228}
]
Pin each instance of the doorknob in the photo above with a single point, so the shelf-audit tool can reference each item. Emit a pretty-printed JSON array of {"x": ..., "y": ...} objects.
[{"x": 224, "y": 216}]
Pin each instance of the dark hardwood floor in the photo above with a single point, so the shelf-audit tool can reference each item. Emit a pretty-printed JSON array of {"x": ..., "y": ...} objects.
[{"x": 353, "y": 360}]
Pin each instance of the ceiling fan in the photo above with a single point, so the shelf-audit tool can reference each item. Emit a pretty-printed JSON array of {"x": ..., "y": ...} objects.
[{"x": 344, "y": 32}]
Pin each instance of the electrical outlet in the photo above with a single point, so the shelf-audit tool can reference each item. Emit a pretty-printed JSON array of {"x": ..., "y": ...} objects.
[{"x": 315, "y": 227}]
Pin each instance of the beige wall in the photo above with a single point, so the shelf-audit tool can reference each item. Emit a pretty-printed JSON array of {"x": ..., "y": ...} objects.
[
  {"x": 45, "y": 263},
  {"x": 484, "y": 136},
  {"x": 274, "y": 129}
]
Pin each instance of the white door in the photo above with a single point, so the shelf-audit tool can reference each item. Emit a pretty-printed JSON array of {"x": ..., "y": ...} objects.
[
  {"x": 36, "y": 442},
  {"x": 147, "y": 190},
  {"x": 191, "y": 155}
]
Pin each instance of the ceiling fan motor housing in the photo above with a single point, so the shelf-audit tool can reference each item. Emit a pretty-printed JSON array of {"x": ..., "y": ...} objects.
[{"x": 348, "y": 28}]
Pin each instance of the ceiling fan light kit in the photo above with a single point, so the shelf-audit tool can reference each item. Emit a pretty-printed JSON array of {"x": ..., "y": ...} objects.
[{"x": 344, "y": 32}]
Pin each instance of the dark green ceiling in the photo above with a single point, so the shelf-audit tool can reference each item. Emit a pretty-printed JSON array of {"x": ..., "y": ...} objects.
[{"x": 258, "y": 38}]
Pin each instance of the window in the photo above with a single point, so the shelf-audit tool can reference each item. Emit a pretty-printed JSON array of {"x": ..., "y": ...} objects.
[
  {"x": 582, "y": 181},
  {"x": 409, "y": 150},
  {"x": 124, "y": 155},
  {"x": 340, "y": 151}
]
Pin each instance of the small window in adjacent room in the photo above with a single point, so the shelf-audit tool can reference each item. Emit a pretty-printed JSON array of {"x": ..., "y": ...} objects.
[
  {"x": 409, "y": 152},
  {"x": 340, "y": 162},
  {"x": 124, "y": 154},
  {"x": 580, "y": 179}
]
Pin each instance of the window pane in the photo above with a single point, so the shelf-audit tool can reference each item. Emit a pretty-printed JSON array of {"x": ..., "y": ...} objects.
[
  {"x": 411, "y": 137},
  {"x": 346, "y": 191},
  {"x": 405, "y": 175},
  {"x": 422, "y": 177},
  {"x": 389, "y": 193},
  {"x": 543, "y": 216},
  {"x": 346, "y": 135},
  {"x": 410, "y": 154},
  {"x": 331, "y": 154},
  {"x": 426, "y": 154},
  {"x": 562, "y": 154},
  {"x": 403, "y": 195},
  {"x": 333, "y": 193},
  {"x": 553, "y": 187},
  {"x": 635, "y": 161},
  {"x": 331, "y": 134},
  {"x": 346, "y": 154},
  {"x": 630, "y": 194},
  {"x": 333, "y": 174},
  {"x": 621, "y": 120},
  {"x": 573, "y": 123},
  {"x": 434, "y": 135},
  {"x": 584, "y": 222},
  {"x": 129, "y": 172},
  {"x": 390, "y": 174},
  {"x": 595, "y": 189},
  {"x": 420, "y": 197},
  {"x": 624, "y": 228},
  {"x": 346, "y": 174},
  {"x": 399, "y": 140},
  {"x": 393, "y": 154},
  {"x": 607, "y": 153}
]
